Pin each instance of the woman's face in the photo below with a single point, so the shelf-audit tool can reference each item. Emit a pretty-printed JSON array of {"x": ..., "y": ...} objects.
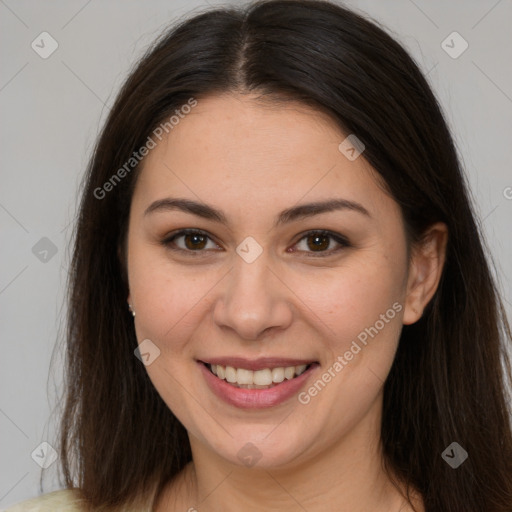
[{"x": 261, "y": 289}]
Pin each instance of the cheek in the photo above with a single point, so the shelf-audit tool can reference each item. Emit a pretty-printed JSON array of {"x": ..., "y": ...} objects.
[
  {"x": 167, "y": 304},
  {"x": 351, "y": 299},
  {"x": 169, "y": 300},
  {"x": 165, "y": 296},
  {"x": 359, "y": 310}
]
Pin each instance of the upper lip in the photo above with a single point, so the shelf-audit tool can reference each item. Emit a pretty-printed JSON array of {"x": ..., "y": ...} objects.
[{"x": 257, "y": 364}]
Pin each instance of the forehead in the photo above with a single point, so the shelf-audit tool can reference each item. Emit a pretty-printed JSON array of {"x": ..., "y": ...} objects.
[{"x": 232, "y": 148}]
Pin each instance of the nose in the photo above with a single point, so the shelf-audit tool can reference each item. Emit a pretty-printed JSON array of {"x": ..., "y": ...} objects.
[{"x": 253, "y": 300}]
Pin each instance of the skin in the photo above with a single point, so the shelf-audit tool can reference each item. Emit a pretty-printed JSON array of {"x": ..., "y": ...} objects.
[{"x": 252, "y": 161}]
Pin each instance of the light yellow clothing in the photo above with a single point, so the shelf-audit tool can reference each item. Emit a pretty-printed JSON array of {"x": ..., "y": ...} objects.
[{"x": 66, "y": 500}]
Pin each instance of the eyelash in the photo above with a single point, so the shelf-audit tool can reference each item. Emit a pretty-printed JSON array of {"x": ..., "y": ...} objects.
[{"x": 168, "y": 242}]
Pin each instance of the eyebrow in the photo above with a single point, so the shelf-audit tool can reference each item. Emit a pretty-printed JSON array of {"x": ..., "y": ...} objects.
[{"x": 290, "y": 214}]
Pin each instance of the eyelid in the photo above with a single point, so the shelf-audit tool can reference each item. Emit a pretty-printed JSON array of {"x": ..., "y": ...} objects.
[
  {"x": 341, "y": 240},
  {"x": 169, "y": 239}
]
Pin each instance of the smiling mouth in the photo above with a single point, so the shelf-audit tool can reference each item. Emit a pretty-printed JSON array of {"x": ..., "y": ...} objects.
[{"x": 265, "y": 378}]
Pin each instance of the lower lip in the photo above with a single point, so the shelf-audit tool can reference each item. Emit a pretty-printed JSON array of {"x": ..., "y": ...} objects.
[{"x": 255, "y": 398}]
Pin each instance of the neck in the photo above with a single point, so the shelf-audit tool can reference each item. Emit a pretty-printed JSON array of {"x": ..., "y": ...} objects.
[{"x": 347, "y": 476}]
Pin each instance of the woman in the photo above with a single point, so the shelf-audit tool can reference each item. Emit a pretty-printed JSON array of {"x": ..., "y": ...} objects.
[{"x": 279, "y": 297}]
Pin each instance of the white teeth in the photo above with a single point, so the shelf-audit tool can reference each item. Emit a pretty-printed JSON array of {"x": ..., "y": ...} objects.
[
  {"x": 244, "y": 376},
  {"x": 289, "y": 372},
  {"x": 278, "y": 375},
  {"x": 262, "y": 377},
  {"x": 300, "y": 369},
  {"x": 258, "y": 379},
  {"x": 230, "y": 373}
]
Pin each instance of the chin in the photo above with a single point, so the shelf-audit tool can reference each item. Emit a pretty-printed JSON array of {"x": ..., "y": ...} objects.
[{"x": 262, "y": 446}]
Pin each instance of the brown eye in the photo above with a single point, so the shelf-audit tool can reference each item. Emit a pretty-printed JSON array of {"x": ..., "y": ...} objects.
[
  {"x": 323, "y": 243},
  {"x": 190, "y": 241},
  {"x": 195, "y": 241},
  {"x": 318, "y": 242}
]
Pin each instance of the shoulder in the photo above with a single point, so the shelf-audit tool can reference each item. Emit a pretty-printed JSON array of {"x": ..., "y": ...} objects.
[{"x": 57, "y": 501}]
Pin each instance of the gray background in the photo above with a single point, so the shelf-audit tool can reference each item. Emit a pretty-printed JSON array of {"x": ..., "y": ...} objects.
[{"x": 52, "y": 109}]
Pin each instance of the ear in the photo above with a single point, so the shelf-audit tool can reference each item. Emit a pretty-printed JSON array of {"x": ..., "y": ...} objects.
[{"x": 425, "y": 269}]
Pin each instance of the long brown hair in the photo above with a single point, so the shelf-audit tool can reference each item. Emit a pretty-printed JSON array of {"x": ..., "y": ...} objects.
[{"x": 120, "y": 443}]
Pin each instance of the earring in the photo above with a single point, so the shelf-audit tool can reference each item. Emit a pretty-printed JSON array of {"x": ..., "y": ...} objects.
[{"x": 130, "y": 307}]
